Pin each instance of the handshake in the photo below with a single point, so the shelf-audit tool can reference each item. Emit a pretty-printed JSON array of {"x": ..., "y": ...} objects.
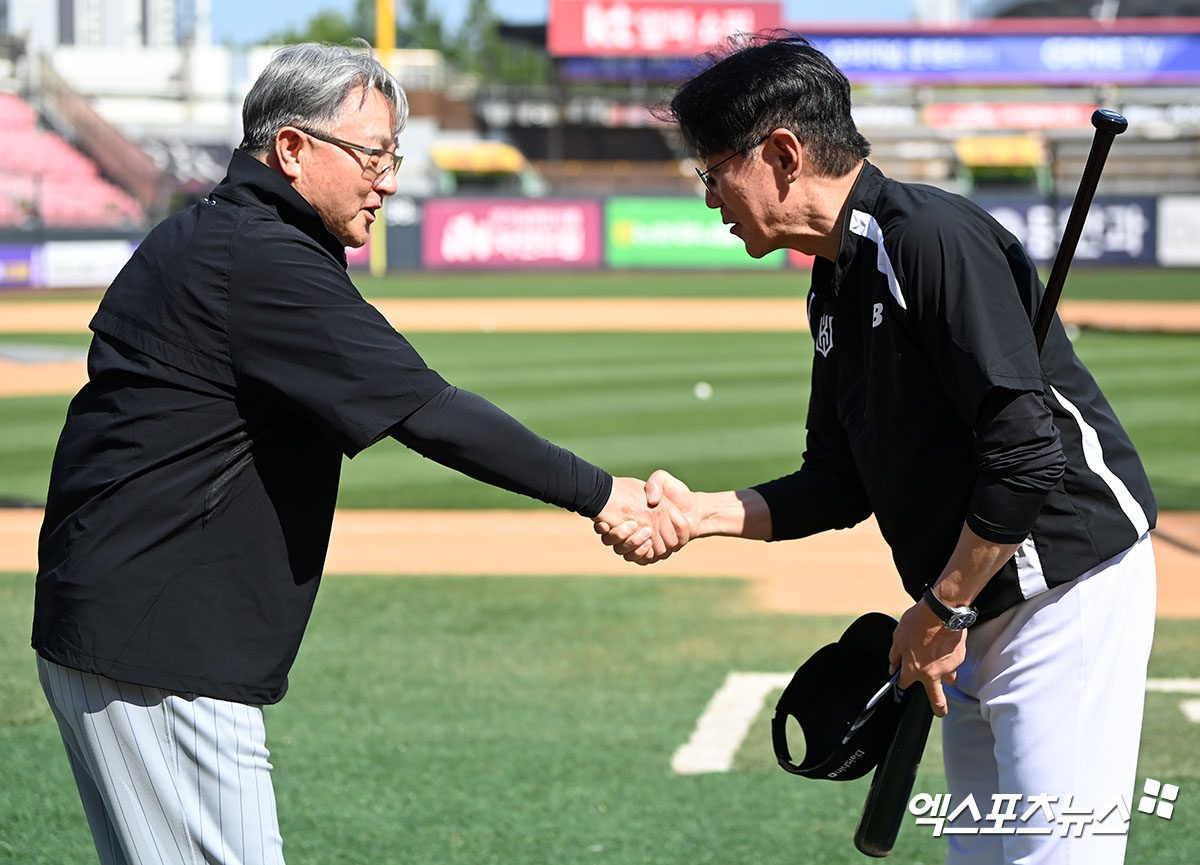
[{"x": 644, "y": 522}]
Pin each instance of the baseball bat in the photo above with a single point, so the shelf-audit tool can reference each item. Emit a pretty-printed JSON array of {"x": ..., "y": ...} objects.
[
  {"x": 1109, "y": 124},
  {"x": 892, "y": 783},
  {"x": 887, "y": 798}
]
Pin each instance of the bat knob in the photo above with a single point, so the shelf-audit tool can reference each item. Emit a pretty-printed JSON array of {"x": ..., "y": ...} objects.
[{"x": 1110, "y": 121}]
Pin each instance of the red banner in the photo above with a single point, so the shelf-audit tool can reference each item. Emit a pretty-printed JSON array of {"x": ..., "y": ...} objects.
[
  {"x": 645, "y": 28},
  {"x": 800, "y": 259},
  {"x": 1013, "y": 115},
  {"x": 360, "y": 256},
  {"x": 519, "y": 233}
]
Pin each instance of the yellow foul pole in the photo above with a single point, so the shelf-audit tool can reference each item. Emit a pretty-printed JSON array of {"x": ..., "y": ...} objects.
[{"x": 385, "y": 46}]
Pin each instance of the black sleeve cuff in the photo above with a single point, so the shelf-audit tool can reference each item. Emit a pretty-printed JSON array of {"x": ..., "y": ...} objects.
[
  {"x": 1001, "y": 514},
  {"x": 813, "y": 500},
  {"x": 1019, "y": 460}
]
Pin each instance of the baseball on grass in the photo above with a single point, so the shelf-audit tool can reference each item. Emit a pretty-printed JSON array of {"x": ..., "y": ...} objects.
[{"x": 703, "y": 390}]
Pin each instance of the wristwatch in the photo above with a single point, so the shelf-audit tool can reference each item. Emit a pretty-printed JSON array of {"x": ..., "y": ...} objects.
[{"x": 953, "y": 618}]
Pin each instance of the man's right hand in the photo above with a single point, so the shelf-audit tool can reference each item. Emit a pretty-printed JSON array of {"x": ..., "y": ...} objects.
[
  {"x": 668, "y": 498},
  {"x": 735, "y": 514}
]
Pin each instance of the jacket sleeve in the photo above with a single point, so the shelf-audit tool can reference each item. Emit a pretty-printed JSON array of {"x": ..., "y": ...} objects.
[
  {"x": 1019, "y": 459},
  {"x": 966, "y": 281},
  {"x": 961, "y": 276},
  {"x": 302, "y": 335},
  {"x": 468, "y": 434}
]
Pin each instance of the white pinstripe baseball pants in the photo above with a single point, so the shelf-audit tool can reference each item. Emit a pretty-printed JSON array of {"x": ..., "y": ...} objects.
[{"x": 166, "y": 778}]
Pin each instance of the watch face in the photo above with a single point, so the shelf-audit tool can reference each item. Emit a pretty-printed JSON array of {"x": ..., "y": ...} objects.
[{"x": 960, "y": 621}]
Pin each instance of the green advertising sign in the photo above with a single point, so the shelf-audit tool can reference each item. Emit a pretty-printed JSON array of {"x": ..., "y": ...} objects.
[{"x": 675, "y": 233}]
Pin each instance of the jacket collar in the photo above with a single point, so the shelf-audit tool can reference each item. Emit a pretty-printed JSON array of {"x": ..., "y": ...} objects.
[
  {"x": 864, "y": 195},
  {"x": 249, "y": 181}
]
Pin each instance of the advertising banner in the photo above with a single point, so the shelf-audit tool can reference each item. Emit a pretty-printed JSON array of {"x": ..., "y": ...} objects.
[
  {"x": 612, "y": 47},
  {"x": 16, "y": 266},
  {"x": 1179, "y": 230},
  {"x": 404, "y": 247},
  {"x": 650, "y": 28},
  {"x": 802, "y": 260},
  {"x": 627, "y": 68},
  {"x": 358, "y": 257},
  {"x": 80, "y": 263},
  {"x": 1118, "y": 230},
  {"x": 1023, "y": 116},
  {"x": 674, "y": 233},
  {"x": 1035, "y": 58},
  {"x": 510, "y": 233}
]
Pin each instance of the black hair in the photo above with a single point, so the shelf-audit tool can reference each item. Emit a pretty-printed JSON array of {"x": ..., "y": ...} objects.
[{"x": 757, "y": 83}]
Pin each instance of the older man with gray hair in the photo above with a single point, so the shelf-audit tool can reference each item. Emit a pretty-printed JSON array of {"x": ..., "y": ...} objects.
[{"x": 233, "y": 364}]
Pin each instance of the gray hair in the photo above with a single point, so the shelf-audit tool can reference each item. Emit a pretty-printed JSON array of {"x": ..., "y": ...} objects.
[{"x": 305, "y": 85}]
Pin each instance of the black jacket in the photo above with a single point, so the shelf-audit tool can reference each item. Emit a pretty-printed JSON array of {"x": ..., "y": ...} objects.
[
  {"x": 192, "y": 493},
  {"x": 930, "y": 405}
]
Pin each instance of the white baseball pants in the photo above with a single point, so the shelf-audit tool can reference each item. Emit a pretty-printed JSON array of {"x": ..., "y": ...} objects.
[
  {"x": 166, "y": 778},
  {"x": 1049, "y": 703}
]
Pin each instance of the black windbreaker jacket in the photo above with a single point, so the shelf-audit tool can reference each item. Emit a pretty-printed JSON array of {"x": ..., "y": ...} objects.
[{"x": 921, "y": 322}]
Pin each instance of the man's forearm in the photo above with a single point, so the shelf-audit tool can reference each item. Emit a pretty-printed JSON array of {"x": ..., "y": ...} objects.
[
  {"x": 737, "y": 514},
  {"x": 971, "y": 565},
  {"x": 921, "y": 646}
]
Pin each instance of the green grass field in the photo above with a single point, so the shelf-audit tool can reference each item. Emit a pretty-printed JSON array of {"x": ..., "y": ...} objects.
[
  {"x": 1093, "y": 283},
  {"x": 530, "y": 721},
  {"x": 626, "y": 402},
  {"x": 516, "y": 721}
]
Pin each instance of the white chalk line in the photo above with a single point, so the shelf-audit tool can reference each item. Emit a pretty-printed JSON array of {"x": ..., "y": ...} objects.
[{"x": 725, "y": 722}]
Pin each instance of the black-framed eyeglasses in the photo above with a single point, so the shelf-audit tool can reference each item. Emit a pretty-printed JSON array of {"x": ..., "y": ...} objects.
[
  {"x": 705, "y": 174},
  {"x": 382, "y": 161}
]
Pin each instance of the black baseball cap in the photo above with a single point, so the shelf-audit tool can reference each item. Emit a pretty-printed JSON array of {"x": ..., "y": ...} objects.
[{"x": 846, "y": 702}]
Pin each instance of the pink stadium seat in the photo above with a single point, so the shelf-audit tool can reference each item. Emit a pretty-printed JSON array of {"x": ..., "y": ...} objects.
[
  {"x": 42, "y": 174},
  {"x": 15, "y": 113}
]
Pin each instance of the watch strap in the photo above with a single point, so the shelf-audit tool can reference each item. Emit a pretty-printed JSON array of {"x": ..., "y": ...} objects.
[{"x": 953, "y": 618}]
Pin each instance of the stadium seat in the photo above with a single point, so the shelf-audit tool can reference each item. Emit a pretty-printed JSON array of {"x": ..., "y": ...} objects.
[{"x": 45, "y": 180}]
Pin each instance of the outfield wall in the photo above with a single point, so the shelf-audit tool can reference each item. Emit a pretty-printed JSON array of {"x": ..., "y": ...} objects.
[
  {"x": 681, "y": 233},
  {"x": 634, "y": 232}
]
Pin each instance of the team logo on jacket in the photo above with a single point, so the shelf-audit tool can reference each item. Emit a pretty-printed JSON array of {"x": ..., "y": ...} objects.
[{"x": 825, "y": 335}]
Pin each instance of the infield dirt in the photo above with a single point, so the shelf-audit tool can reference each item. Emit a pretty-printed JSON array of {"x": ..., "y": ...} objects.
[{"x": 786, "y": 577}]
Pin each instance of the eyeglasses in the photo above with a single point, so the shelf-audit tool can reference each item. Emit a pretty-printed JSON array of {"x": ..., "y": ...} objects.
[
  {"x": 381, "y": 161},
  {"x": 705, "y": 175}
]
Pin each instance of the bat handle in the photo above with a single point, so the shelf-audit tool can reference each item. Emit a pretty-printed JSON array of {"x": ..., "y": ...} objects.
[
  {"x": 892, "y": 783},
  {"x": 1108, "y": 124}
]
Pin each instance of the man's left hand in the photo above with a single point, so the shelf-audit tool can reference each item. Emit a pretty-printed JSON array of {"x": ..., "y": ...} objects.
[{"x": 926, "y": 652}]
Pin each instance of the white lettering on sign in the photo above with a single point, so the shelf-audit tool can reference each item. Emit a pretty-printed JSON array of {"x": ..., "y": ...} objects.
[
  {"x": 1110, "y": 229},
  {"x": 655, "y": 29},
  {"x": 1111, "y": 53},
  {"x": 608, "y": 26},
  {"x": 1179, "y": 230},
  {"x": 868, "y": 53},
  {"x": 516, "y": 234}
]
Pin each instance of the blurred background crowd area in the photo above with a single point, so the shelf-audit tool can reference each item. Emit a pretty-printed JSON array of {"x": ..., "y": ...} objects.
[{"x": 533, "y": 143}]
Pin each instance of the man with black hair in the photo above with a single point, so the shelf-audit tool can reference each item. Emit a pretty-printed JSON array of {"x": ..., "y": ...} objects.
[{"x": 1014, "y": 503}]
